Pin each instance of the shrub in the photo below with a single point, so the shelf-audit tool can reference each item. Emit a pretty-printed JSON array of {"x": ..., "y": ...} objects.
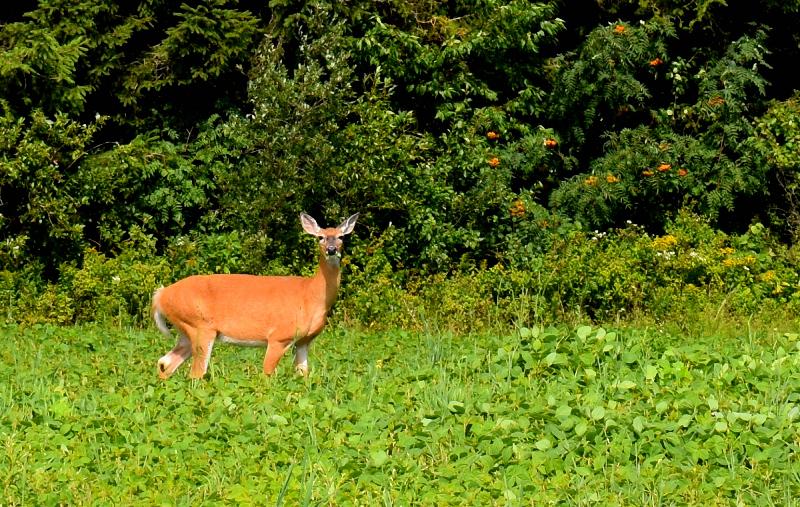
[
  {"x": 624, "y": 274},
  {"x": 116, "y": 288},
  {"x": 608, "y": 82},
  {"x": 39, "y": 209},
  {"x": 154, "y": 183},
  {"x": 695, "y": 154},
  {"x": 776, "y": 143},
  {"x": 373, "y": 295}
]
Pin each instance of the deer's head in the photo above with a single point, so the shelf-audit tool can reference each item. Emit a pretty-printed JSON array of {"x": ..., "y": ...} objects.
[{"x": 330, "y": 239}]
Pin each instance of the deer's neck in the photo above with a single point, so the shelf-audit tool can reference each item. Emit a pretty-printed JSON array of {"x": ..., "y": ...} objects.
[{"x": 329, "y": 276}]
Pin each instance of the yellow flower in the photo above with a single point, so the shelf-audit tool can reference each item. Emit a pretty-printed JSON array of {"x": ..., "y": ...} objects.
[
  {"x": 664, "y": 243},
  {"x": 590, "y": 181},
  {"x": 611, "y": 178},
  {"x": 732, "y": 262},
  {"x": 494, "y": 162},
  {"x": 619, "y": 29}
]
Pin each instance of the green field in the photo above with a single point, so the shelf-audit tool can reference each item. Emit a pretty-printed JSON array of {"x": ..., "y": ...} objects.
[{"x": 583, "y": 416}]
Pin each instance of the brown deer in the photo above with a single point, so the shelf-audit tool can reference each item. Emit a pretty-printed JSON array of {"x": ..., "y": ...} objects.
[{"x": 271, "y": 311}]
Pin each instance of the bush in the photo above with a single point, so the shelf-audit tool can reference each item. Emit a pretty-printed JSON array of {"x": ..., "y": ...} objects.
[
  {"x": 39, "y": 208},
  {"x": 776, "y": 143},
  {"x": 695, "y": 154},
  {"x": 622, "y": 275},
  {"x": 119, "y": 288}
]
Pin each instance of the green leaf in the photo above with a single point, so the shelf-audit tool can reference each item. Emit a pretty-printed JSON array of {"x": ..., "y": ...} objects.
[
  {"x": 61, "y": 408},
  {"x": 583, "y": 332},
  {"x": 598, "y": 413},
  {"x": 554, "y": 358},
  {"x": 456, "y": 407},
  {"x": 563, "y": 411},
  {"x": 279, "y": 420},
  {"x": 378, "y": 458}
]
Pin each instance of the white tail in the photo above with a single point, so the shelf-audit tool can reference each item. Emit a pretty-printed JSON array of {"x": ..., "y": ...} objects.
[{"x": 271, "y": 311}]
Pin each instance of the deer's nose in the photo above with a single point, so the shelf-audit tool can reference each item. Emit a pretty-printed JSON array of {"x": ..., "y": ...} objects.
[{"x": 331, "y": 250}]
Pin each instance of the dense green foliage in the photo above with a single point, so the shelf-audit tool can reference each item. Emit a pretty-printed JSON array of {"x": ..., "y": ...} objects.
[
  {"x": 544, "y": 416},
  {"x": 479, "y": 141}
]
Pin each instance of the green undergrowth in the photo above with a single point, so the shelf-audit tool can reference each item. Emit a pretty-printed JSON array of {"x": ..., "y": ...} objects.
[
  {"x": 691, "y": 273},
  {"x": 578, "y": 415}
]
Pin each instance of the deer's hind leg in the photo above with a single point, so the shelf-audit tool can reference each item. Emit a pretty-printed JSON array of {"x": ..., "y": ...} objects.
[{"x": 170, "y": 361}]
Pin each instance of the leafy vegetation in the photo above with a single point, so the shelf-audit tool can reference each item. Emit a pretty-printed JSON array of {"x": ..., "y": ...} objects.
[
  {"x": 514, "y": 164},
  {"x": 545, "y": 415}
]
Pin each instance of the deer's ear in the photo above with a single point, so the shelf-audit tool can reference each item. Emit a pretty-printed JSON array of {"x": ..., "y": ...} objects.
[
  {"x": 309, "y": 224},
  {"x": 347, "y": 226}
]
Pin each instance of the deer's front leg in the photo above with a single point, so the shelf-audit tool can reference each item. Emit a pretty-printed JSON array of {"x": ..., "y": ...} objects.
[
  {"x": 201, "y": 351},
  {"x": 301, "y": 357},
  {"x": 275, "y": 351}
]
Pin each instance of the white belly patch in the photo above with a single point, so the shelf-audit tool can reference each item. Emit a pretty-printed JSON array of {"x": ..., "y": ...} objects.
[{"x": 244, "y": 343}]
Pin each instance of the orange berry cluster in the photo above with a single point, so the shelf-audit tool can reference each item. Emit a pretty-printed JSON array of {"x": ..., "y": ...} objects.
[{"x": 517, "y": 210}]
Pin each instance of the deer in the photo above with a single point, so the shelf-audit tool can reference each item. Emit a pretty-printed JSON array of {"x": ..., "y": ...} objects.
[{"x": 252, "y": 310}]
